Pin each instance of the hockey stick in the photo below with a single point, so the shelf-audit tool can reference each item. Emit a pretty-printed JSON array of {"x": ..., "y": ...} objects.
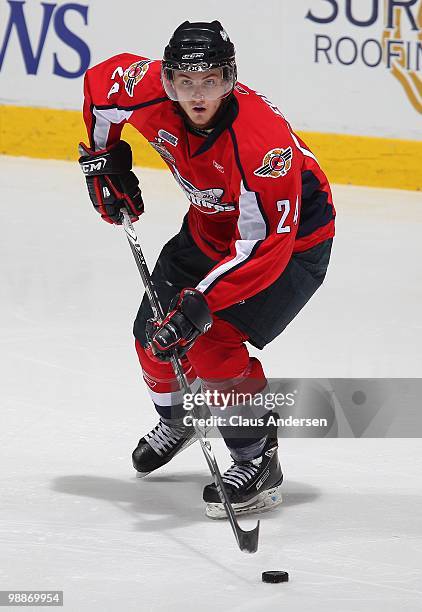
[{"x": 246, "y": 540}]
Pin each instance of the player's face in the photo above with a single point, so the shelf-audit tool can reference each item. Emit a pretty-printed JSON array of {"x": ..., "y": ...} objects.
[{"x": 199, "y": 95}]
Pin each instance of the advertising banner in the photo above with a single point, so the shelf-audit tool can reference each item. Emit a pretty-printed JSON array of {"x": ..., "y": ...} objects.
[{"x": 347, "y": 67}]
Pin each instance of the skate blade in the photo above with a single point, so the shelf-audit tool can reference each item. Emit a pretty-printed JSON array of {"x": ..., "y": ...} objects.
[
  {"x": 267, "y": 500},
  {"x": 141, "y": 474}
]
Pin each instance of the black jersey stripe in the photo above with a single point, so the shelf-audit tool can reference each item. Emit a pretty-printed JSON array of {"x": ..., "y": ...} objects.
[
  {"x": 316, "y": 211},
  {"x": 134, "y": 107},
  {"x": 237, "y": 157}
]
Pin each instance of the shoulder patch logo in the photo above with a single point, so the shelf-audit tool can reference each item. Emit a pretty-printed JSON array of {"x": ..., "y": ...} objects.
[
  {"x": 134, "y": 74},
  {"x": 276, "y": 162}
]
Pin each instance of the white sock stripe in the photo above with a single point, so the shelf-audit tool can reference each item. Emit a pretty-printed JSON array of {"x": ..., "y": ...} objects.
[{"x": 172, "y": 398}]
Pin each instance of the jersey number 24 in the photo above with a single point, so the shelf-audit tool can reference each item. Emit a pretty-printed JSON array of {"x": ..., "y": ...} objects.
[{"x": 283, "y": 206}]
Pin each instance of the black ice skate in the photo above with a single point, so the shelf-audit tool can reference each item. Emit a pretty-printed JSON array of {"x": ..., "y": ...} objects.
[
  {"x": 160, "y": 445},
  {"x": 253, "y": 486}
]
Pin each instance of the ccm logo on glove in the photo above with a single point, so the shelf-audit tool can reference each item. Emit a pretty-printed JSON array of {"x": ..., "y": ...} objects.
[
  {"x": 94, "y": 167},
  {"x": 111, "y": 184}
]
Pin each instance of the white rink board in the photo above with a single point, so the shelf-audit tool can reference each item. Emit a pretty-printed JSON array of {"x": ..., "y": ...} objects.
[{"x": 276, "y": 45}]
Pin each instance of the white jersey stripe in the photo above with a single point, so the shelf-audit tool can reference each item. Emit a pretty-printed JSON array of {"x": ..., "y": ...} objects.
[
  {"x": 243, "y": 250},
  {"x": 252, "y": 228},
  {"x": 251, "y": 223},
  {"x": 104, "y": 118},
  {"x": 304, "y": 151}
]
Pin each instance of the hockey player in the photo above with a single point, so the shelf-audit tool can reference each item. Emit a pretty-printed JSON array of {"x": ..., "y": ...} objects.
[{"x": 253, "y": 248}]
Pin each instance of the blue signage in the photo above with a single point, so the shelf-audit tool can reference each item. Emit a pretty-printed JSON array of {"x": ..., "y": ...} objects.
[{"x": 53, "y": 18}]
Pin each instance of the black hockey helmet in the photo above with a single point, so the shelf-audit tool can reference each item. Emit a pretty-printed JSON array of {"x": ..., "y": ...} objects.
[{"x": 199, "y": 47}]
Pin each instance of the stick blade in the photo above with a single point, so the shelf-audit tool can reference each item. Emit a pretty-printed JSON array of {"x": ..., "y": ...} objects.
[{"x": 248, "y": 540}]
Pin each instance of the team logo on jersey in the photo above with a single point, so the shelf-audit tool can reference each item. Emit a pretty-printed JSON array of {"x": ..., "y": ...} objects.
[
  {"x": 159, "y": 145},
  {"x": 207, "y": 201},
  {"x": 134, "y": 74},
  {"x": 276, "y": 162}
]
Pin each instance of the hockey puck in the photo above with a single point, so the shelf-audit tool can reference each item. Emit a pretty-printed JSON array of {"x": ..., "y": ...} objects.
[{"x": 275, "y": 577}]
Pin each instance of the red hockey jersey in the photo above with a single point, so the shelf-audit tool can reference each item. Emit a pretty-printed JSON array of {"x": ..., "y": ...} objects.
[{"x": 256, "y": 192}]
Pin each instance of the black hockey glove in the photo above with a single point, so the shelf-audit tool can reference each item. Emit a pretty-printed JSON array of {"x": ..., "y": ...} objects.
[
  {"x": 111, "y": 184},
  {"x": 188, "y": 318}
]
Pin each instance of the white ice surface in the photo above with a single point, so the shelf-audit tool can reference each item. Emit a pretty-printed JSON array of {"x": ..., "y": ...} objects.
[{"x": 72, "y": 515}]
